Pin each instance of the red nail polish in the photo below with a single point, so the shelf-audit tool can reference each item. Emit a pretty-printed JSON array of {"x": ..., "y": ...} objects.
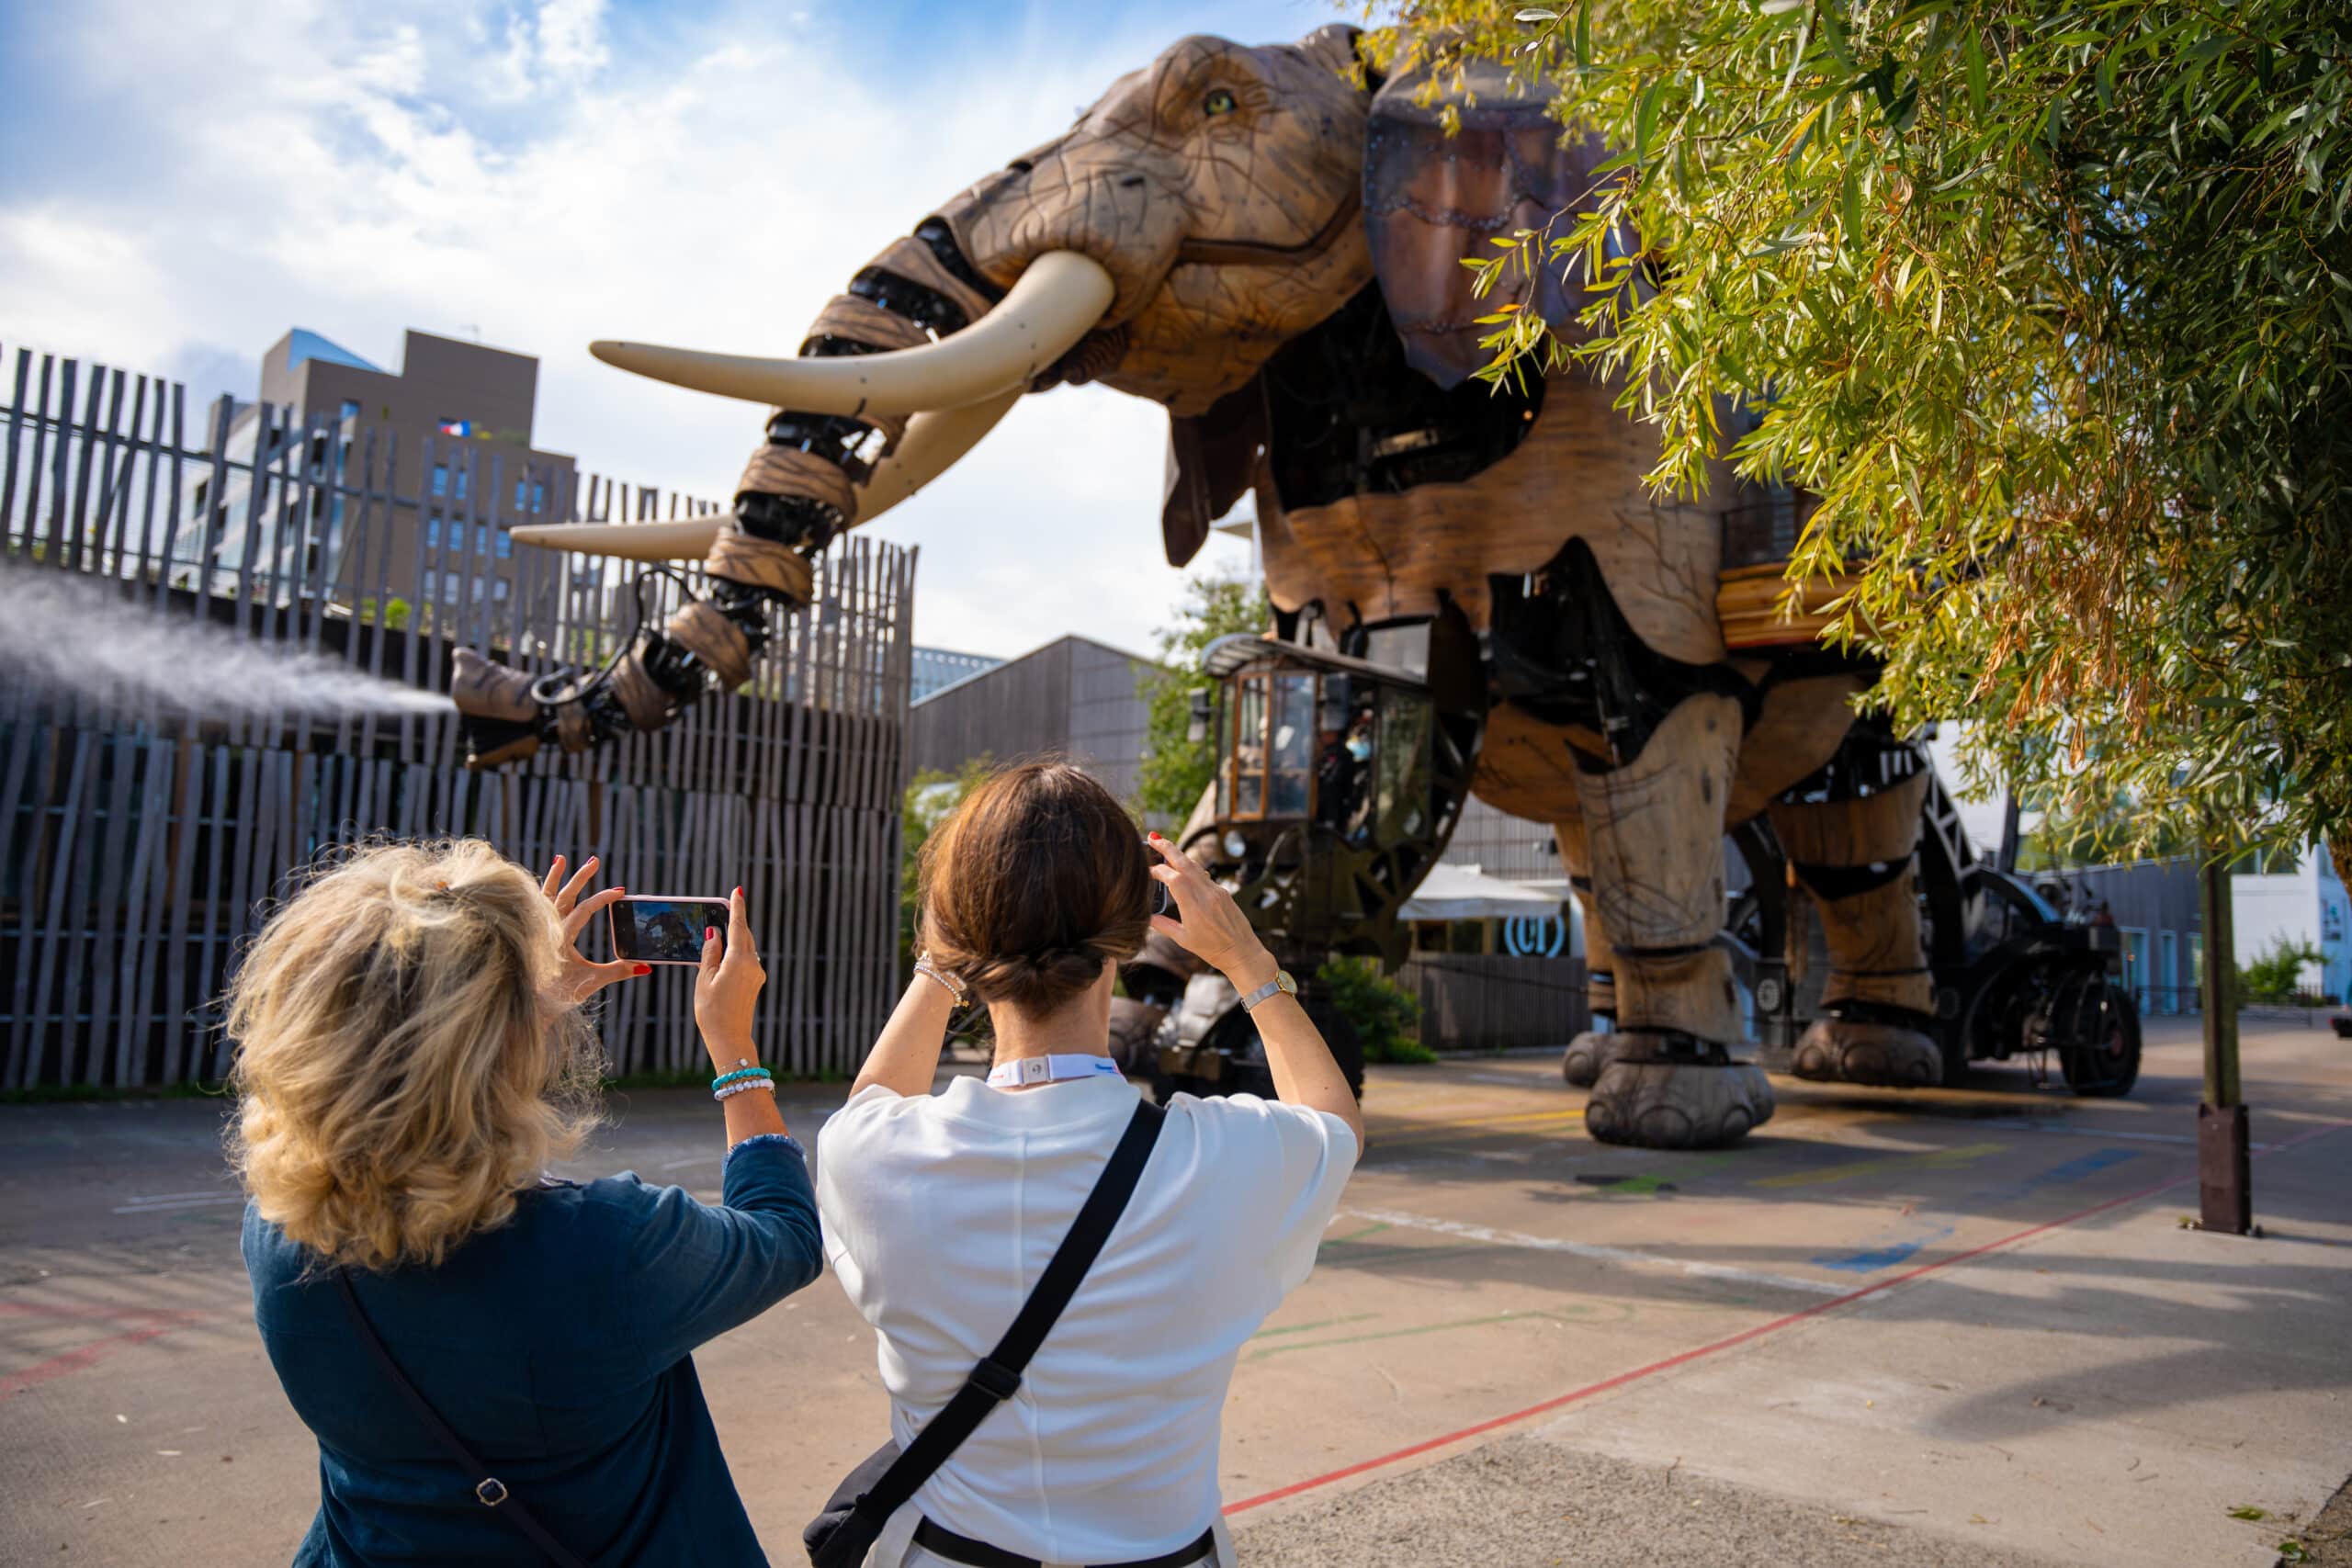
[
  {"x": 710, "y": 933},
  {"x": 643, "y": 969},
  {"x": 739, "y": 893}
]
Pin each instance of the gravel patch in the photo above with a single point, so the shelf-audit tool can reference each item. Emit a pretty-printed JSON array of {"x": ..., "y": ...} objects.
[{"x": 1524, "y": 1502}]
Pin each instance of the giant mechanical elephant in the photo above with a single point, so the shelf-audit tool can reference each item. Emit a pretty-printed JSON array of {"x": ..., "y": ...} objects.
[{"x": 1267, "y": 242}]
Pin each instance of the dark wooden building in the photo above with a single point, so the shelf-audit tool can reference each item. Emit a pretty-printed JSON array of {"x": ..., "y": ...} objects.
[{"x": 1074, "y": 697}]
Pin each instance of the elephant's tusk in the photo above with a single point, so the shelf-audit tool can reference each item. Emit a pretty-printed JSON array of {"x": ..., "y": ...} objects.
[
  {"x": 1056, "y": 302},
  {"x": 686, "y": 538},
  {"x": 931, "y": 446}
]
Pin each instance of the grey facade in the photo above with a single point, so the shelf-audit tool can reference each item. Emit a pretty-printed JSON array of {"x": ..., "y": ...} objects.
[{"x": 1073, "y": 697}]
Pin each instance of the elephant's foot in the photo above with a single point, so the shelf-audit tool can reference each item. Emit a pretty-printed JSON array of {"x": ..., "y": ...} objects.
[
  {"x": 1869, "y": 1051},
  {"x": 1587, "y": 1054},
  {"x": 1661, "y": 1094}
]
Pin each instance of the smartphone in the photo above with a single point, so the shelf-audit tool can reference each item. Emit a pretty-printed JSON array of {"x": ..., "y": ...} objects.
[
  {"x": 1163, "y": 902},
  {"x": 654, "y": 928}
]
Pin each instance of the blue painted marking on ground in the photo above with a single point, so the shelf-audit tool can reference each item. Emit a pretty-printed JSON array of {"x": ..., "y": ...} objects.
[
  {"x": 1870, "y": 1259},
  {"x": 2057, "y": 1175},
  {"x": 1886, "y": 1253}
]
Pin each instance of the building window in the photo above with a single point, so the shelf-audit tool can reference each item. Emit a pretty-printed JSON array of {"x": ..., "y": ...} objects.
[
  {"x": 538, "y": 495},
  {"x": 481, "y": 538},
  {"x": 350, "y": 408},
  {"x": 501, "y": 590},
  {"x": 448, "y": 587},
  {"x": 433, "y": 533},
  {"x": 505, "y": 545},
  {"x": 461, "y": 481},
  {"x": 441, "y": 479},
  {"x": 521, "y": 495}
]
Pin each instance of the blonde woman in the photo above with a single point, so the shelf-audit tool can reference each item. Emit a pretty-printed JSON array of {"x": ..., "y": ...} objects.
[{"x": 496, "y": 1364}]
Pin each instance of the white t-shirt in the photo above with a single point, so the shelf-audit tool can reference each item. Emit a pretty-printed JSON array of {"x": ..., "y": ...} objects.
[{"x": 941, "y": 1211}]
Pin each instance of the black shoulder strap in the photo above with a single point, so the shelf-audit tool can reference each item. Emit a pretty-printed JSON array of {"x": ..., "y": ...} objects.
[
  {"x": 488, "y": 1490},
  {"x": 998, "y": 1374}
]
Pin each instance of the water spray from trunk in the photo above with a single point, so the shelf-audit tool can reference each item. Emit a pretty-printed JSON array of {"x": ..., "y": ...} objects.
[{"x": 67, "y": 635}]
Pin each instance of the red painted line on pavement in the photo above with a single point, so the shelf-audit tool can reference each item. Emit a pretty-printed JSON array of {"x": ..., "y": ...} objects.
[
  {"x": 165, "y": 1315},
  {"x": 56, "y": 1366},
  {"x": 156, "y": 1320},
  {"x": 1742, "y": 1337}
]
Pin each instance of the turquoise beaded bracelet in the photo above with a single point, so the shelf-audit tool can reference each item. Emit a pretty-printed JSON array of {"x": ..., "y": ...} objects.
[{"x": 739, "y": 1076}]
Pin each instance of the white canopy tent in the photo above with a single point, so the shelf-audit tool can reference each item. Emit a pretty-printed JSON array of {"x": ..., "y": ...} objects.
[{"x": 1466, "y": 893}]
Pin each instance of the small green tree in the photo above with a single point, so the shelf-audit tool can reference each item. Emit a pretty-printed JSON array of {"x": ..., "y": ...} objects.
[
  {"x": 1175, "y": 768},
  {"x": 932, "y": 797},
  {"x": 1386, "y": 1017},
  {"x": 2276, "y": 977}
]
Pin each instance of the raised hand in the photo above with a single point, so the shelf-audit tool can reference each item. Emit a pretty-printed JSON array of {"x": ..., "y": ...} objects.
[
  {"x": 582, "y": 977},
  {"x": 1208, "y": 923},
  {"x": 727, "y": 986}
]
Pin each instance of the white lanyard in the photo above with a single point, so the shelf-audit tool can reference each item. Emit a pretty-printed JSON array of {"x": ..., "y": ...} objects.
[{"x": 1050, "y": 1069}]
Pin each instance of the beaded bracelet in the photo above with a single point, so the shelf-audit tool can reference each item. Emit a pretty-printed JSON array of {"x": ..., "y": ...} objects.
[
  {"x": 739, "y": 1075},
  {"x": 732, "y": 1090},
  {"x": 954, "y": 984}
]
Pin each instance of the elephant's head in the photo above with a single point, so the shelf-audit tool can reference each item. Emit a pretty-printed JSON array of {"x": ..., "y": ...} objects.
[
  {"x": 1210, "y": 209},
  {"x": 1219, "y": 188}
]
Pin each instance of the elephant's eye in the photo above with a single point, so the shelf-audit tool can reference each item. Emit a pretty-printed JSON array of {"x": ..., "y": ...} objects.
[{"x": 1218, "y": 102}]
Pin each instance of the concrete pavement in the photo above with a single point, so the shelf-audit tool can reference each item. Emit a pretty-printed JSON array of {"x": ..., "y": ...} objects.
[{"x": 1960, "y": 1328}]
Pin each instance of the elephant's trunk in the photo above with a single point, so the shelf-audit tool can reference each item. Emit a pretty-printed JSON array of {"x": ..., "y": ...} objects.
[{"x": 897, "y": 379}]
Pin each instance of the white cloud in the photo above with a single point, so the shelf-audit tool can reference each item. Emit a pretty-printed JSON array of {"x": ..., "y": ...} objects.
[{"x": 461, "y": 168}]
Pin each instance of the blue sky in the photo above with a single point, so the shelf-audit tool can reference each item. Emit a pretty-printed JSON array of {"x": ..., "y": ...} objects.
[{"x": 179, "y": 187}]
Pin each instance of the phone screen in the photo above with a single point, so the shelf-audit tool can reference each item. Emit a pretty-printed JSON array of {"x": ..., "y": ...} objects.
[{"x": 664, "y": 931}]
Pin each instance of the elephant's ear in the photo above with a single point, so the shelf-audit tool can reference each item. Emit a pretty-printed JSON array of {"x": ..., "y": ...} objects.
[
  {"x": 1212, "y": 459},
  {"x": 1433, "y": 201}
]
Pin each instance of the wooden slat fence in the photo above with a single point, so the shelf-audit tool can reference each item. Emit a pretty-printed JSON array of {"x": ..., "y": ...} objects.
[
  {"x": 141, "y": 847},
  {"x": 1497, "y": 1002}
]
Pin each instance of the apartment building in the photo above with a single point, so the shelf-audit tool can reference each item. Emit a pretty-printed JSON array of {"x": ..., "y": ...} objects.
[{"x": 453, "y": 423}]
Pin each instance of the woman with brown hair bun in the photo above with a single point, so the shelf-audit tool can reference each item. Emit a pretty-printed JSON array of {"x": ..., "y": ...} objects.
[
  {"x": 943, "y": 1212},
  {"x": 496, "y": 1363}
]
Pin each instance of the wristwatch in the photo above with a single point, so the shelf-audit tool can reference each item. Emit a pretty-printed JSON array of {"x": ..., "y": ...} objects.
[{"x": 1280, "y": 985}]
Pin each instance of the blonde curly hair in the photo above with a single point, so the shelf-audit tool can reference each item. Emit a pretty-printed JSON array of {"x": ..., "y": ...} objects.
[{"x": 404, "y": 1069}]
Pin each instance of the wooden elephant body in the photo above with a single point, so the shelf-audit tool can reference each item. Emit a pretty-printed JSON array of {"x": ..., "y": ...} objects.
[{"x": 1269, "y": 242}]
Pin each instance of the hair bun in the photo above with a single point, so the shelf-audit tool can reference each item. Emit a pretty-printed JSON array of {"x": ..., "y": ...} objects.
[
  {"x": 1035, "y": 881},
  {"x": 1030, "y": 979}
]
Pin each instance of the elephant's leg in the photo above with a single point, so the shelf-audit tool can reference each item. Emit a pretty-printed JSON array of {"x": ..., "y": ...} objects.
[
  {"x": 1855, "y": 853},
  {"x": 1587, "y": 1054},
  {"x": 1654, "y": 828}
]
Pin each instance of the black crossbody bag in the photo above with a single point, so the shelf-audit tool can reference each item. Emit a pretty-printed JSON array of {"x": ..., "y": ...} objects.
[
  {"x": 489, "y": 1491},
  {"x": 853, "y": 1517}
]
